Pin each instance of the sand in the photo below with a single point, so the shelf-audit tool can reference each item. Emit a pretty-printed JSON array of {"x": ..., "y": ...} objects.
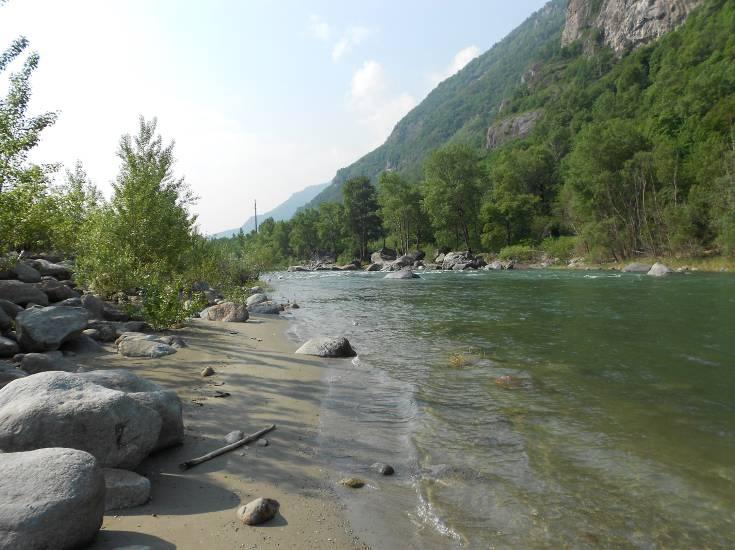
[{"x": 268, "y": 384}]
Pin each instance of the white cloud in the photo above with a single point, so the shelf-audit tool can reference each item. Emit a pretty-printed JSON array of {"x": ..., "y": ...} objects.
[
  {"x": 319, "y": 28},
  {"x": 350, "y": 39},
  {"x": 461, "y": 58},
  {"x": 378, "y": 108}
]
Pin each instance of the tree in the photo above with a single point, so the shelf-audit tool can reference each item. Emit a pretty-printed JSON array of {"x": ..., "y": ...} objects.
[
  {"x": 331, "y": 225},
  {"x": 361, "y": 212},
  {"x": 400, "y": 208},
  {"x": 19, "y": 133},
  {"x": 453, "y": 190},
  {"x": 304, "y": 240}
]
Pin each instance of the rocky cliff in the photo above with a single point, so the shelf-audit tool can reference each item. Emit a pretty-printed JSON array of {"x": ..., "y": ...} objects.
[{"x": 625, "y": 24}]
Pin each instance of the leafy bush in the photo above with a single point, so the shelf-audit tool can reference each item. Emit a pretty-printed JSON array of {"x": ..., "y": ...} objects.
[
  {"x": 561, "y": 247},
  {"x": 165, "y": 304},
  {"x": 518, "y": 253}
]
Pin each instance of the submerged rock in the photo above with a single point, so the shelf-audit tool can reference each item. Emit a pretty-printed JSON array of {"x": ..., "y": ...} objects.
[
  {"x": 402, "y": 274},
  {"x": 258, "y": 511},
  {"x": 51, "y": 498},
  {"x": 383, "y": 469},
  {"x": 658, "y": 270},
  {"x": 327, "y": 347},
  {"x": 352, "y": 482},
  {"x": 636, "y": 267}
]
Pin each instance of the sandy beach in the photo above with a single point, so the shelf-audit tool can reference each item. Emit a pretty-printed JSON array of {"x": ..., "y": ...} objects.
[{"x": 267, "y": 384}]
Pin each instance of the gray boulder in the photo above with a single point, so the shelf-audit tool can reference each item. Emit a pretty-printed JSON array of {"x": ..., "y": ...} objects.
[
  {"x": 136, "y": 344},
  {"x": 112, "y": 313},
  {"x": 82, "y": 344},
  {"x": 5, "y": 321},
  {"x": 71, "y": 302},
  {"x": 266, "y": 308},
  {"x": 54, "y": 409},
  {"x": 327, "y": 347},
  {"x": 51, "y": 498},
  {"x": 21, "y": 293},
  {"x": 58, "y": 271},
  {"x": 56, "y": 291},
  {"x": 658, "y": 270},
  {"x": 9, "y": 373},
  {"x": 258, "y": 511},
  {"x": 125, "y": 489},
  {"x": 94, "y": 305},
  {"x": 165, "y": 402},
  {"x": 374, "y": 267},
  {"x": 256, "y": 299},
  {"x": 10, "y": 309},
  {"x": 637, "y": 268},
  {"x": 24, "y": 272},
  {"x": 8, "y": 347},
  {"x": 402, "y": 274},
  {"x": 33, "y": 363},
  {"x": 45, "y": 329},
  {"x": 296, "y": 268},
  {"x": 228, "y": 312},
  {"x": 105, "y": 331}
]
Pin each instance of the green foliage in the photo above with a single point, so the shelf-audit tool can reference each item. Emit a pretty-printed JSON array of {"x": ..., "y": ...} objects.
[
  {"x": 164, "y": 300},
  {"x": 563, "y": 248},
  {"x": 400, "y": 210},
  {"x": 518, "y": 253},
  {"x": 361, "y": 212}
]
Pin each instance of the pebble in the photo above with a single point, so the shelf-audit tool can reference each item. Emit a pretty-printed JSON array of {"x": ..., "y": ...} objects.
[
  {"x": 352, "y": 482},
  {"x": 208, "y": 371},
  {"x": 262, "y": 442}
]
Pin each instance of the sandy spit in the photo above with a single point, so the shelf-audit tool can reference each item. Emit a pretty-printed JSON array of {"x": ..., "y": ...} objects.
[{"x": 267, "y": 384}]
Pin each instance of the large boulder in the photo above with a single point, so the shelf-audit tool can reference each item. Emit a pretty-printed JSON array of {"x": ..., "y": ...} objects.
[
  {"x": 256, "y": 299},
  {"x": 658, "y": 270},
  {"x": 24, "y": 272},
  {"x": 266, "y": 308},
  {"x": 10, "y": 308},
  {"x": 5, "y": 321},
  {"x": 327, "y": 347},
  {"x": 60, "y": 409},
  {"x": 383, "y": 256},
  {"x": 56, "y": 291},
  {"x": 45, "y": 329},
  {"x": 94, "y": 305},
  {"x": 165, "y": 402},
  {"x": 125, "y": 489},
  {"x": 59, "y": 271},
  {"x": 33, "y": 363},
  {"x": 51, "y": 498},
  {"x": 228, "y": 312},
  {"x": 636, "y": 267},
  {"x": 22, "y": 293},
  {"x": 105, "y": 331},
  {"x": 402, "y": 274},
  {"x": 114, "y": 314}
]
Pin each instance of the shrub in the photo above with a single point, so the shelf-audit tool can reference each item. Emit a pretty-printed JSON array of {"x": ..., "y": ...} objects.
[
  {"x": 165, "y": 303},
  {"x": 518, "y": 253},
  {"x": 561, "y": 247}
]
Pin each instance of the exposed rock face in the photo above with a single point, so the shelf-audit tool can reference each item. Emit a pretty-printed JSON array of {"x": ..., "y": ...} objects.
[
  {"x": 45, "y": 329},
  {"x": 514, "y": 127},
  {"x": 51, "y": 498},
  {"x": 60, "y": 409},
  {"x": 625, "y": 24},
  {"x": 327, "y": 347}
]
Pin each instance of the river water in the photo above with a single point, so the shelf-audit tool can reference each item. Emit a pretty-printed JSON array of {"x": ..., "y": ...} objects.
[{"x": 529, "y": 409}]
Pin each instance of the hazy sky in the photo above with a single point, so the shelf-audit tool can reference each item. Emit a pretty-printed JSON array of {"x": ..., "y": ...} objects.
[{"x": 262, "y": 98}]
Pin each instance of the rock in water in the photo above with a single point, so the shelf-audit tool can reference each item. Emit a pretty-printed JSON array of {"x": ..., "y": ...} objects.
[
  {"x": 258, "y": 511},
  {"x": 265, "y": 308},
  {"x": 352, "y": 482},
  {"x": 227, "y": 312},
  {"x": 125, "y": 489},
  {"x": 383, "y": 469},
  {"x": 636, "y": 267},
  {"x": 327, "y": 347},
  {"x": 659, "y": 270},
  {"x": 60, "y": 409},
  {"x": 402, "y": 274},
  {"x": 234, "y": 436},
  {"x": 51, "y": 498},
  {"x": 46, "y": 328},
  {"x": 256, "y": 299},
  {"x": 22, "y": 293}
]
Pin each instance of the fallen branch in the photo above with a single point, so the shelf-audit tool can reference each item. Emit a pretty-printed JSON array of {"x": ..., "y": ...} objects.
[{"x": 227, "y": 448}]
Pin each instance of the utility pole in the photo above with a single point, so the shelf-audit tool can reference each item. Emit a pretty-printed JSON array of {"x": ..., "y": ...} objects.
[{"x": 256, "y": 216}]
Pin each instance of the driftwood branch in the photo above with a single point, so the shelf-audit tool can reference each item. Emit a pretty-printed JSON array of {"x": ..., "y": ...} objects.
[{"x": 227, "y": 448}]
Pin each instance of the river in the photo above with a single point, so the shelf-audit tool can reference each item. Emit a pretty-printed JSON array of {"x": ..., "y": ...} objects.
[{"x": 529, "y": 409}]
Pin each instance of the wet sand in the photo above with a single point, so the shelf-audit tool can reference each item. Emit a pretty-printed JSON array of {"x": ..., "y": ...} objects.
[{"x": 268, "y": 384}]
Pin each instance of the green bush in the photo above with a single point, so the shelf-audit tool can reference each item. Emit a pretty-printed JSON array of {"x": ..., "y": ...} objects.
[
  {"x": 561, "y": 247},
  {"x": 165, "y": 303},
  {"x": 518, "y": 253}
]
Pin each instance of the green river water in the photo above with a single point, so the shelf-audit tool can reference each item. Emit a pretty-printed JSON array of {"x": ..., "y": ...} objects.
[{"x": 591, "y": 409}]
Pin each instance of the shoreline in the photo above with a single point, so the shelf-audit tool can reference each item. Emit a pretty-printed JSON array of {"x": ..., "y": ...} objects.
[{"x": 254, "y": 363}]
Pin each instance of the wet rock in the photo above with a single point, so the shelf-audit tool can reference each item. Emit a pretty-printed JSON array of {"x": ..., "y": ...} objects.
[
  {"x": 327, "y": 347},
  {"x": 402, "y": 274},
  {"x": 258, "y": 511},
  {"x": 234, "y": 436},
  {"x": 659, "y": 270},
  {"x": 125, "y": 489},
  {"x": 637, "y": 268},
  {"x": 227, "y": 312},
  {"x": 22, "y": 294},
  {"x": 256, "y": 299},
  {"x": 352, "y": 482},
  {"x": 296, "y": 268},
  {"x": 383, "y": 469},
  {"x": 24, "y": 272},
  {"x": 208, "y": 371},
  {"x": 60, "y": 409},
  {"x": 45, "y": 329},
  {"x": 8, "y": 347},
  {"x": 33, "y": 363},
  {"x": 51, "y": 498}
]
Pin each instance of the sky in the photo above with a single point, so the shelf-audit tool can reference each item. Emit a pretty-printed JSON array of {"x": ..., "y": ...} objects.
[{"x": 262, "y": 98}]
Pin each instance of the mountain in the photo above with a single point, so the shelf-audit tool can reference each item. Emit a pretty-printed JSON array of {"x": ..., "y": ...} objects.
[
  {"x": 462, "y": 107},
  {"x": 283, "y": 211}
]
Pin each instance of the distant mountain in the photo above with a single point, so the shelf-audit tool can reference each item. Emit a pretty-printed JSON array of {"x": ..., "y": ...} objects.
[
  {"x": 283, "y": 211},
  {"x": 464, "y": 106}
]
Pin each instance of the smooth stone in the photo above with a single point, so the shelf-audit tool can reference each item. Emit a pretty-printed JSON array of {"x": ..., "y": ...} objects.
[
  {"x": 8, "y": 347},
  {"x": 56, "y": 291},
  {"x": 256, "y": 299},
  {"x": 263, "y": 442},
  {"x": 59, "y": 271},
  {"x": 383, "y": 469},
  {"x": 234, "y": 436},
  {"x": 45, "y": 329},
  {"x": 226, "y": 312},
  {"x": 636, "y": 267},
  {"x": 10, "y": 309},
  {"x": 125, "y": 489},
  {"x": 258, "y": 511},
  {"x": 27, "y": 274},
  {"x": 352, "y": 482},
  {"x": 94, "y": 305},
  {"x": 265, "y": 308},
  {"x": 327, "y": 347},
  {"x": 150, "y": 349}
]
